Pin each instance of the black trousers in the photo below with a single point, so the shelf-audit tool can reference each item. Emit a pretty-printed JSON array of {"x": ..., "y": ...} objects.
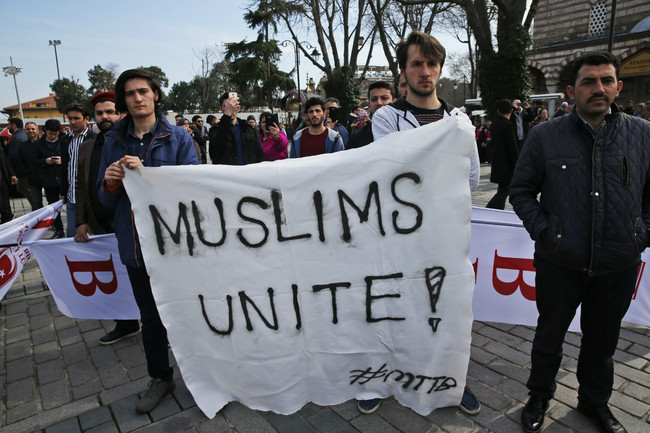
[
  {"x": 5, "y": 204},
  {"x": 500, "y": 197},
  {"x": 154, "y": 334},
  {"x": 604, "y": 301}
]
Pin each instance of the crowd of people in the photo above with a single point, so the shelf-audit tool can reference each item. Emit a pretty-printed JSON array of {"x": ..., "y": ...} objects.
[{"x": 573, "y": 159}]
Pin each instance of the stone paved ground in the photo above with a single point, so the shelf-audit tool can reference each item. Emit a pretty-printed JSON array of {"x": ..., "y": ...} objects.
[{"x": 56, "y": 378}]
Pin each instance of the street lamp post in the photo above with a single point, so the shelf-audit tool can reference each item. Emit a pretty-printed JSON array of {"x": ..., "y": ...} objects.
[
  {"x": 13, "y": 70},
  {"x": 54, "y": 43},
  {"x": 296, "y": 47}
]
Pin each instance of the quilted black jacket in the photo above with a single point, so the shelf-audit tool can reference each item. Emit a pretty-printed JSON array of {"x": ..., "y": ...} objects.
[{"x": 593, "y": 214}]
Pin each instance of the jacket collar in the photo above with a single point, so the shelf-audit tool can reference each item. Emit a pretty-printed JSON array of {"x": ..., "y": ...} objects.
[{"x": 119, "y": 132}]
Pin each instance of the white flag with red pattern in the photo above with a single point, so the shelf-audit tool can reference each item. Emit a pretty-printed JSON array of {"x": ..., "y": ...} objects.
[{"x": 28, "y": 228}]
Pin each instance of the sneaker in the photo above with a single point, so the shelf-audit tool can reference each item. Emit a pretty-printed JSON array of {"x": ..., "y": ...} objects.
[
  {"x": 469, "y": 403},
  {"x": 368, "y": 406},
  {"x": 158, "y": 388},
  {"x": 118, "y": 334}
]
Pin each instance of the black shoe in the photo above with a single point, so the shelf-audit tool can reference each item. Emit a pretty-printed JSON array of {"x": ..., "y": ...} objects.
[
  {"x": 532, "y": 417},
  {"x": 58, "y": 234},
  {"x": 603, "y": 417},
  {"x": 117, "y": 334}
]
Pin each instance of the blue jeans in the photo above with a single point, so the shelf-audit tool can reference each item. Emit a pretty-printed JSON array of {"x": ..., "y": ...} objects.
[
  {"x": 605, "y": 300},
  {"x": 154, "y": 334}
]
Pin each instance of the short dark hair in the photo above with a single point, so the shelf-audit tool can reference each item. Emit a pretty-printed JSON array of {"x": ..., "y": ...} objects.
[
  {"x": 52, "y": 125},
  {"x": 31, "y": 123},
  {"x": 314, "y": 100},
  {"x": 120, "y": 84},
  {"x": 593, "y": 59},
  {"x": 75, "y": 106},
  {"x": 210, "y": 118},
  {"x": 504, "y": 106},
  {"x": 16, "y": 121},
  {"x": 381, "y": 85},
  {"x": 195, "y": 118},
  {"x": 430, "y": 48},
  {"x": 336, "y": 101}
]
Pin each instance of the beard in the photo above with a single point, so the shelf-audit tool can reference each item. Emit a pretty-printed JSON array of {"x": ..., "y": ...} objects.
[
  {"x": 422, "y": 93},
  {"x": 105, "y": 126},
  {"x": 314, "y": 121}
]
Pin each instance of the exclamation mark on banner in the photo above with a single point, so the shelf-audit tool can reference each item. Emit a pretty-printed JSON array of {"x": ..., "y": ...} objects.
[{"x": 434, "y": 278}]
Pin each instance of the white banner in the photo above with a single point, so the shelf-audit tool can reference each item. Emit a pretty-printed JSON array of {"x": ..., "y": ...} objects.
[
  {"x": 318, "y": 279},
  {"x": 87, "y": 280},
  {"x": 13, "y": 254},
  {"x": 502, "y": 254}
]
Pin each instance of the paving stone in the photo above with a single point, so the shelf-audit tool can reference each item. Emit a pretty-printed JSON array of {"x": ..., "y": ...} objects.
[
  {"x": 13, "y": 308},
  {"x": 638, "y": 391},
  {"x": 69, "y": 336},
  {"x": 50, "y": 371},
  {"x": 22, "y": 412},
  {"x": 55, "y": 394},
  {"x": 218, "y": 424},
  {"x": 289, "y": 423},
  {"x": 46, "y": 351},
  {"x": 486, "y": 375},
  {"x": 86, "y": 389},
  {"x": 372, "y": 423},
  {"x": 112, "y": 374},
  {"x": 14, "y": 320},
  {"x": 177, "y": 423},
  {"x": 401, "y": 417},
  {"x": 20, "y": 392},
  {"x": 19, "y": 369},
  {"x": 167, "y": 407},
  {"x": 37, "y": 309},
  {"x": 89, "y": 325},
  {"x": 629, "y": 404},
  {"x": 68, "y": 426},
  {"x": 138, "y": 372},
  {"x": 13, "y": 335},
  {"x": 75, "y": 353},
  {"x": 245, "y": 419},
  {"x": 64, "y": 322},
  {"x": 183, "y": 395},
  {"x": 129, "y": 389},
  {"x": 328, "y": 421},
  {"x": 103, "y": 355},
  {"x": 125, "y": 415},
  {"x": 40, "y": 321},
  {"x": 43, "y": 335},
  {"x": 95, "y": 417},
  {"x": 81, "y": 372},
  {"x": 629, "y": 359},
  {"x": 109, "y": 427},
  {"x": 131, "y": 356}
]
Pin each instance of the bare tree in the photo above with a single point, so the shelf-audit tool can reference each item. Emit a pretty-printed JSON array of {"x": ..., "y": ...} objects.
[{"x": 502, "y": 68}]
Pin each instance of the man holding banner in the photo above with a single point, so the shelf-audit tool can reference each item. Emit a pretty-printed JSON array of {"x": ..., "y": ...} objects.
[
  {"x": 420, "y": 58},
  {"x": 91, "y": 217},
  {"x": 590, "y": 225},
  {"x": 142, "y": 138}
]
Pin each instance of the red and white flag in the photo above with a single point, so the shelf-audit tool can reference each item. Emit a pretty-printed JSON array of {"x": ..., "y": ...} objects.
[
  {"x": 87, "y": 280},
  {"x": 13, "y": 234}
]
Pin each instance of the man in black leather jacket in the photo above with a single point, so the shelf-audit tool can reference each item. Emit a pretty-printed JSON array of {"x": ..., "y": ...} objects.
[{"x": 590, "y": 226}]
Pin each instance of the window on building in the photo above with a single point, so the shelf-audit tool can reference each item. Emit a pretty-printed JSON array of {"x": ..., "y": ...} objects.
[{"x": 598, "y": 19}]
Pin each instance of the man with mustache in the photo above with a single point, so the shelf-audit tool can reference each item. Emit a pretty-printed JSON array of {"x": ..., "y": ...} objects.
[
  {"x": 590, "y": 225},
  {"x": 91, "y": 216},
  {"x": 316, "y": 138},
  {"x": 421, "y": 57}
]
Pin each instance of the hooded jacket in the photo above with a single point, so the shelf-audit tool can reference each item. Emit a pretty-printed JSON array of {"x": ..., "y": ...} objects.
[
  {"x": 396, "y": 117},
  {"x": 333, "y": 142},
  {"x": 593, "y": 214},
  {"x": 171, "y": 145}
]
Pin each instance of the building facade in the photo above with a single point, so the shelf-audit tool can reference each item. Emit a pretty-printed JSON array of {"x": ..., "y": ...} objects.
[{"x": 565, "y": 29}]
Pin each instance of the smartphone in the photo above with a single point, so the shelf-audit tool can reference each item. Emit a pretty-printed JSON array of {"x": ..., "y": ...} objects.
[
  {"x": 271, "y": 119},
  {"x": 334, "y": 113},
  {"x": 232, "y": 94}
]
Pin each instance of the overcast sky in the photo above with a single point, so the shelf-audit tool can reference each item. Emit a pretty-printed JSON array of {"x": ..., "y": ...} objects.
[{"x": 127, "y": 33}]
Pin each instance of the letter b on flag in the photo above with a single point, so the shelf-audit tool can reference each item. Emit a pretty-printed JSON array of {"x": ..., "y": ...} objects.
[{"x": 88, "y": 289}]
